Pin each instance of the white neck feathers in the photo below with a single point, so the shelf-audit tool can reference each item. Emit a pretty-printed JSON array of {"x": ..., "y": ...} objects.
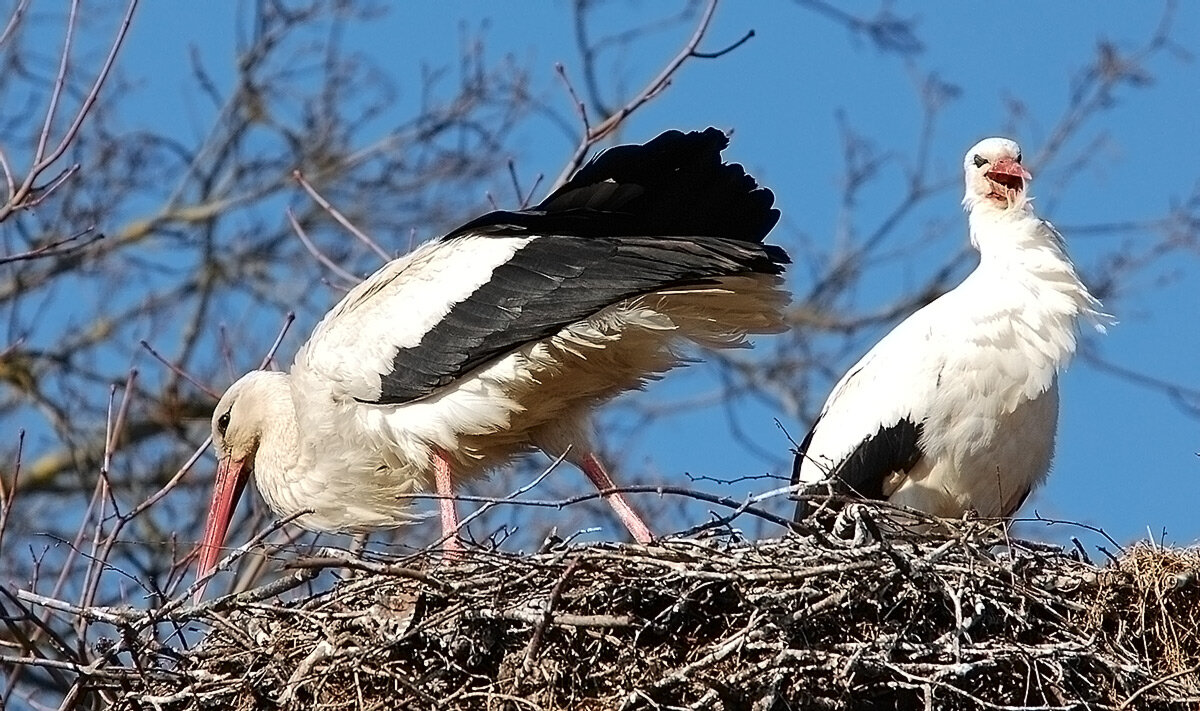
[{"x": 1018, "y": 246}]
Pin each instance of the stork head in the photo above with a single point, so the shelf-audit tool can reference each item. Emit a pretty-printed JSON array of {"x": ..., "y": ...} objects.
[
  {"x": 245, "y": 412},
  {"x": 994, "y": 174}
]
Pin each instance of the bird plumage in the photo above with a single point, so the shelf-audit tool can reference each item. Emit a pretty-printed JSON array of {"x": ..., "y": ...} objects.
[
  {"x": 504, "y": 335},
  {"x": 956, "y": 408}
]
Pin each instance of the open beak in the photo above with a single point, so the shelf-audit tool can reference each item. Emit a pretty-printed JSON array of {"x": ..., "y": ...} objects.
[
  {"x": 232, "y": 475},
  {"x": 1009, "y": 173}
]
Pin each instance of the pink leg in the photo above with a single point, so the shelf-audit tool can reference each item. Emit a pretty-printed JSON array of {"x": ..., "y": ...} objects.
[
  {"x": 596, "y": 472},
  {"x": 445, "y": 489}
]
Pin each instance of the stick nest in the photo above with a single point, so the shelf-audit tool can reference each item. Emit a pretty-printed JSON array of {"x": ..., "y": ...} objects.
[{"x": 959, "y": 617}]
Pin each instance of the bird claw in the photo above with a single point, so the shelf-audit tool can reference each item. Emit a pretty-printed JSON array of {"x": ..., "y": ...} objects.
[{"x": 854, "y": 522}]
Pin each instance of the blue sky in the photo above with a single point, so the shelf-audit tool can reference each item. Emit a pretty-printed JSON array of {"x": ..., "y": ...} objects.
[{"x": 1126, "y": 456}]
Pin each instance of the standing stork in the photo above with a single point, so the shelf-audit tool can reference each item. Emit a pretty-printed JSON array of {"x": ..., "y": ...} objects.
[
  {"x": 955, "y": 410},
  {"x": 501, "y": 338}
]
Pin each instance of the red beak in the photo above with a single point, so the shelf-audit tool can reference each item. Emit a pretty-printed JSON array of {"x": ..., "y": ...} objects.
[
  {"x": 231, "y": 480},
  {"x": 1008, "y": 166}
]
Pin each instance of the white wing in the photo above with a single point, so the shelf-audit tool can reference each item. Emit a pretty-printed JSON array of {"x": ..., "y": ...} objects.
[{"x": 871, "y": 424}]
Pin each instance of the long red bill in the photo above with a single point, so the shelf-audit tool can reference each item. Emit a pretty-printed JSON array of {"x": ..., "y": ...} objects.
[{"x": 231, "y": 480}]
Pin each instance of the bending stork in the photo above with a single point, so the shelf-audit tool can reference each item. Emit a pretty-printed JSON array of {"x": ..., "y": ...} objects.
[{"x": 501, "y": 338}]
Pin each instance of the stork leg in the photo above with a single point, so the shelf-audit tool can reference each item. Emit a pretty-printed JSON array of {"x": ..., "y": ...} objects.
[
  {"x": 445, "y": 490},
  {"x": 599, "y": 476}
]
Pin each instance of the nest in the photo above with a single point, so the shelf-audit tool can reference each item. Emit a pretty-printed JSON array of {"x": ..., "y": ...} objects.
[{"x": 959, "y": 617}]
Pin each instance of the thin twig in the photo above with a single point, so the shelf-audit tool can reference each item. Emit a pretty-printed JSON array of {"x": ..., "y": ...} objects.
[
  {"x": 180, "y": 371},
  {"x": 339, "y": 217},
  {"x": 53, "y": 249},
  {"x": 317, "y": 253}
]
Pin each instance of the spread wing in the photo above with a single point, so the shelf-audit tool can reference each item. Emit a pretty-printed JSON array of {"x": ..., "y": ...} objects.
[{"x": 634, "y": 220}]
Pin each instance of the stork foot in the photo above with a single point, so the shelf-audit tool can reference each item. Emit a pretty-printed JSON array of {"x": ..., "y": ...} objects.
[{"x": 857, "y": 522}]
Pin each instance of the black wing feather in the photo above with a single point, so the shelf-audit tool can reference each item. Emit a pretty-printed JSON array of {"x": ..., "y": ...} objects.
[
  {"x": 894, "y": 448},
  {"x": 891, "y": 449},
  {"x": 549, "y": 284},
  {"x": 673, "y": 185}
]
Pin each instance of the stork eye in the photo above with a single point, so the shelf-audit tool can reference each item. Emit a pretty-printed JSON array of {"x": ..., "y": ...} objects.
[
  {"x": 223, "y": 423},
  {"x": 1018, "y": 158},
  {"x": 980, "y": 161}
]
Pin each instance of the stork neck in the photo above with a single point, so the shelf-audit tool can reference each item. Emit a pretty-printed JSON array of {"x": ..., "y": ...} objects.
[
  {"x": 1017, "y": 239},
  {"x": 1021, "y": 251},
  {"x": 280, "y": 445}
]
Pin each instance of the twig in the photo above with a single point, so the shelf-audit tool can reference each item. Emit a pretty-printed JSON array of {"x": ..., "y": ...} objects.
[
  {"x": 52, "y": 249},
  {"x": 320, "y": 256},
  {"x": 1157, "y": 682},
  {"x": 24, "y": 195},
  {"x": 492, "y": 503},
  {"x": 8, "y": 496},
  {"x": 330, "y": 558},
  {"x": 13, "y": 20},
  {"x": 339, "y": 217},
  {"x": 180, "y": 371},
  {"x": 539, "y": 629},
  {"x": 722, "y": 52},
  {"x": 591, "y": 496},
  {"x": 288, "y": 319},
  {"x": 197, "y": 588}
]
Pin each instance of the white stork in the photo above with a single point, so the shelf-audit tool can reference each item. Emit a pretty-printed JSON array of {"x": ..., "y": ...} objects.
[
  {"x": 501, "y": 338},
  {"x": 955, "y": 410}
]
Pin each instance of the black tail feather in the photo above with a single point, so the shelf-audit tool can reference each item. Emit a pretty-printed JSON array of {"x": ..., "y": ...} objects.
[{"x": 675, "y": 185}]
